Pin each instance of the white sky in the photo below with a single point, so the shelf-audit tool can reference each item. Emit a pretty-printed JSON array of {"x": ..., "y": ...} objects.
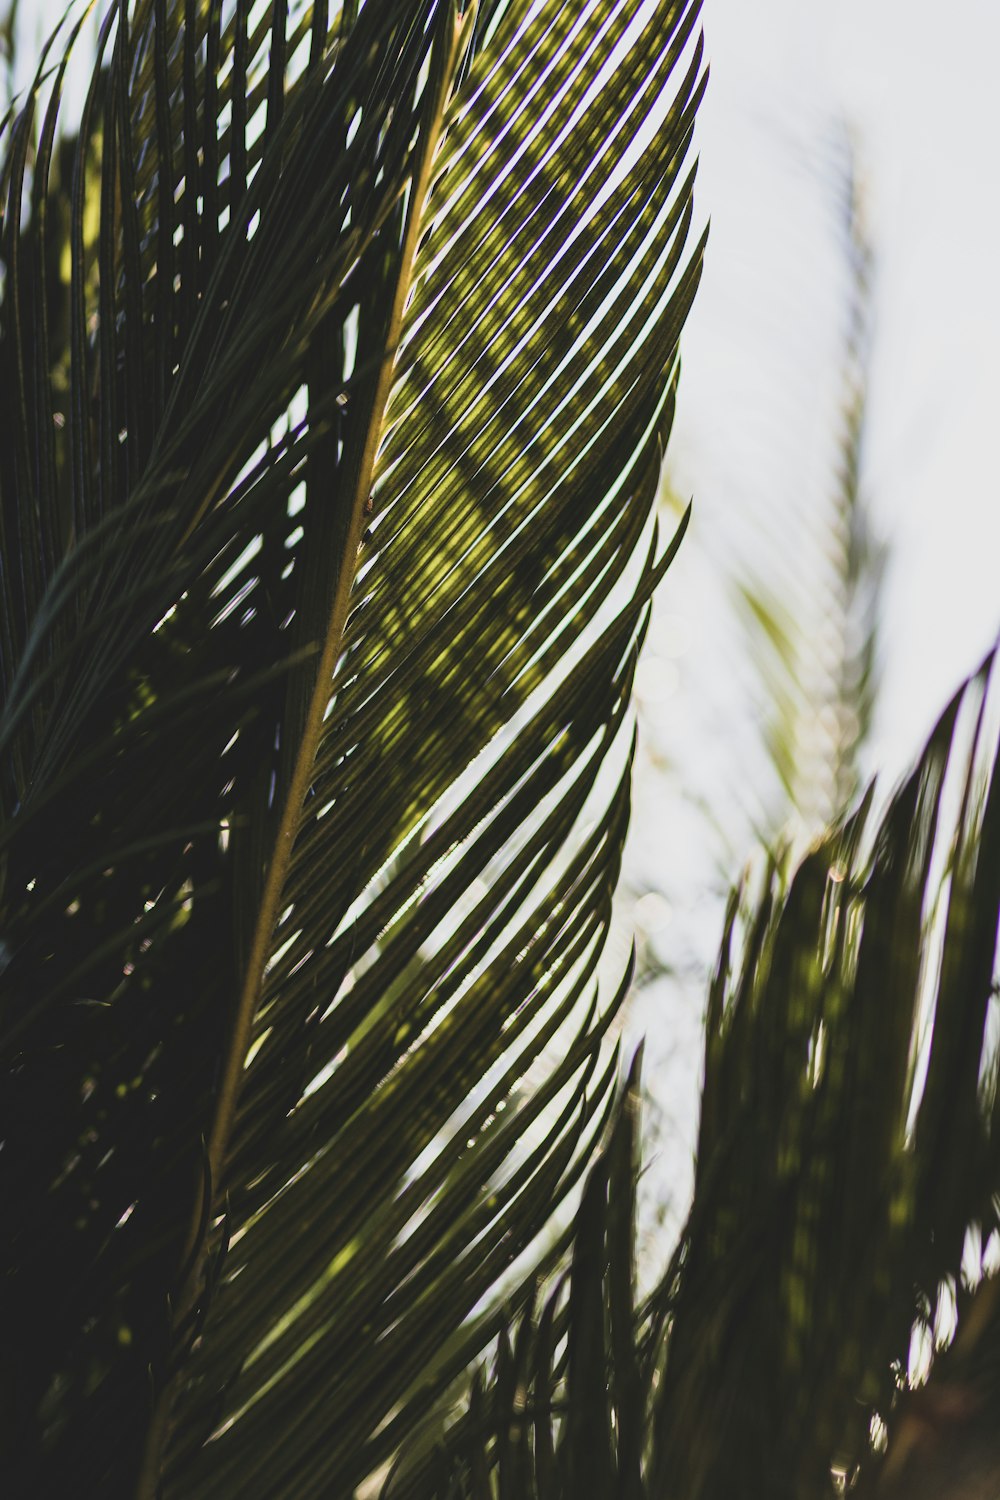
[
  {"x": 918, "y": 86},
  {"x": 753, "y": 443},
  {"x": 931, "y": 116}
]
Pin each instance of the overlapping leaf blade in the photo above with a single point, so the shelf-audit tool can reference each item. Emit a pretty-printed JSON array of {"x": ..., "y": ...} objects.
[
  {"x": 477, "y": 580},
  {"x": 317, "y": 667},
  {"x": 847, "y": 1148}
]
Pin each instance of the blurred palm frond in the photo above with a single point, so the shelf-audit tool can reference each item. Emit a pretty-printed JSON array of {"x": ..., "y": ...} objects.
[{"x": 817, "y": 659}]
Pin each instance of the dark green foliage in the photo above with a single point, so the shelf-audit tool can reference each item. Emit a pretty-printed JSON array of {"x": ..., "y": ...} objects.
[
  {"x": 835, "y": 1183},
  {"x": 338, "y": 353},
  {"x": 565, "y": 1410},
  {"x": 337, "y": 356},
  {"x": 848, "y": 1142}
]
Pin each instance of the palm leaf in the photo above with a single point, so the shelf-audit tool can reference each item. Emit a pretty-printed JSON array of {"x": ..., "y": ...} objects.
[
  {"x": 338, "y": 355},
  {"x": 565, "y": 1408},
  {"x": 847, "y": 1180},
  {"x": 817, "y": 660},
  {"x": 846, "y": 1140}
]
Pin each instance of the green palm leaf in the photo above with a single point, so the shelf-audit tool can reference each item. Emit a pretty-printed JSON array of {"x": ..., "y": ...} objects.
[
  {"x": 847, "y": 1180},
  {"x": 845, "y": 1142},
  {"x": 338, "y": 356}
]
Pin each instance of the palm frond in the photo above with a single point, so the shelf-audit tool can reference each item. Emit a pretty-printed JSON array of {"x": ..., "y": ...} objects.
[
  {"x": 565, "y": 1408},
  {"x": 848, "y": 1181},
  {"x": 847, "y": 1136},
  {"x": 818, "y": 665},
  {"x": 339, "y": 352}
]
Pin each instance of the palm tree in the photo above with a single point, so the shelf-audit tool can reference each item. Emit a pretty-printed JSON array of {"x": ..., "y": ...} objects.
[{"x": 338, "y": 348}]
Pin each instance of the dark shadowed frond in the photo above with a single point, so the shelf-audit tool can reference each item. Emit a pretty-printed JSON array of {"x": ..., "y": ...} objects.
[
  {"x": 848, "y": 1131},
  {"x": 338, "y": 352},
  {"x": 564, "y": 1409}
]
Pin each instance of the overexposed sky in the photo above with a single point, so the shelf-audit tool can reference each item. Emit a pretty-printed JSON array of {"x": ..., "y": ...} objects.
[
  {"x": 755, "y": 442},
  {"x": 917, "y": 87},
  {"x": 930, "y": 116}
]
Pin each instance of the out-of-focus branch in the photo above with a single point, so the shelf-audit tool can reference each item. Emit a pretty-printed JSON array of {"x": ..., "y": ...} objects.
[{"x": 818, "y": 674}]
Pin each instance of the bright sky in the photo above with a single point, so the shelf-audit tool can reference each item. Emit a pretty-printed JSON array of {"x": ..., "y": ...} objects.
[
  {"x": 755, "y": 436},
  {"x": 921, "y": 97},
  {"x": 932, "y": 117}
]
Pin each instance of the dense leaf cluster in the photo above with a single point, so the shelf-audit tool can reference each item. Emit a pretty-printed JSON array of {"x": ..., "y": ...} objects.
[
  {"x": 338, "y": 354},
  {"x": 338, "y": 350}
]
